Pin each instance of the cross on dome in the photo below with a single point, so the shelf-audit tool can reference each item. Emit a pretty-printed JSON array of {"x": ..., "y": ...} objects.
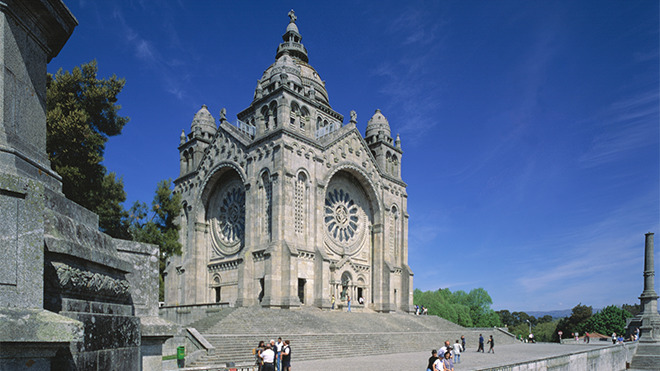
[{"x": 292, "y": 16}]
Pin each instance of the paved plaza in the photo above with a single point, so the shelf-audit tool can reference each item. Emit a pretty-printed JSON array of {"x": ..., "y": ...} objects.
[{"x": 470, "y": 359}]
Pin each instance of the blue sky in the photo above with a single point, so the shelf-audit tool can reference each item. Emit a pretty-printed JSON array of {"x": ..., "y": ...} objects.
[{"x": 530, "y": 130}]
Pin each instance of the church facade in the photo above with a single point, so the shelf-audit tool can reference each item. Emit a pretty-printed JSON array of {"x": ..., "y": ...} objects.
[{"x": 289, "y": 206}]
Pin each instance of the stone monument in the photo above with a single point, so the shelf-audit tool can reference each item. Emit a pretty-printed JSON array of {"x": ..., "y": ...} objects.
[
  {"x": 289, "y": 206},
  {"x": 647, "y": 356},
  {"x": 71, "y": 297}
]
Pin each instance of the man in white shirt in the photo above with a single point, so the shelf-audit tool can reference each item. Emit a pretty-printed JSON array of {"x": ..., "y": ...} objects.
[
  {"x": 269, "y": 358},
  {"x": 445, "y": 348},
  {"x": 278, "y": 353},
  {"x": 458, "y": 348}
]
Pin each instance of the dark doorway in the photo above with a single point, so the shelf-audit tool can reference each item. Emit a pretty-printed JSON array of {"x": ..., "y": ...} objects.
[
  {"x": 261, "y": 293},
  {"x": 359, "y": 293},
  {"x": 217, "y": 294},
  {"x": 301, "y": 290}
]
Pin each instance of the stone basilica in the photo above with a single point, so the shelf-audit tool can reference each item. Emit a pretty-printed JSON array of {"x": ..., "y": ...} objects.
[{"x": 289, "y": 206}]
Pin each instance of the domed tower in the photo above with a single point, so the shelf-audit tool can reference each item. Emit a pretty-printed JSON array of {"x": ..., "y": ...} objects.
[
  {"x": 379, "y": 139},
  {"x": 192, "y": 146},
  {"x": 290, "y": 94}
]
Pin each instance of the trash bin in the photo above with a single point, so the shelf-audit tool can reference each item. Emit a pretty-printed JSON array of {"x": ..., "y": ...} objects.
[{"x": 181, "y": 357}]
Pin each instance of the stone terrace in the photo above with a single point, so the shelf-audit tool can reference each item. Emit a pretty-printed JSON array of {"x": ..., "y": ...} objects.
[{"x": 235, "y": 332}]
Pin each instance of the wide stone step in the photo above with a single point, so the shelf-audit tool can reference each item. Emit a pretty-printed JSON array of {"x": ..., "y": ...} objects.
[{"x": 339, "y": 334}]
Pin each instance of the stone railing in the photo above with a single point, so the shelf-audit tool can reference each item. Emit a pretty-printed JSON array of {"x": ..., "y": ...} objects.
[
  {"x": 330, "y": 128},
  {"x": 615, "y": 357},
  {"x": 246, "y": 128}
]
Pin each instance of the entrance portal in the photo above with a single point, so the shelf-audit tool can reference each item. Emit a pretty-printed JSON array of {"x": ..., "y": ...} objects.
[{"x": 301, "y": 290}]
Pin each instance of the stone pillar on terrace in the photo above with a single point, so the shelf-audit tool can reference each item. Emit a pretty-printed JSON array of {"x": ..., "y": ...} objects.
[{"x": 647, "y": 355}]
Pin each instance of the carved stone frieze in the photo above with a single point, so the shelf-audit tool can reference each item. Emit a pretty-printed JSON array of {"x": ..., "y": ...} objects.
[{"x": 73, "y": 280}]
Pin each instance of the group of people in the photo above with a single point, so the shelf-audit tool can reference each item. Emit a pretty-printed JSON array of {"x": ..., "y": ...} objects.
[
  {"x": 273, "y": 356},
  {"x": 619, "y": 339},
  {"x": 348, "y": 302},
  {"x": 490, "y": 342},
  {"x": 421, "y": 310},
  {"x": 586, "y": 337},
  {"x": 444, "y": 358}
]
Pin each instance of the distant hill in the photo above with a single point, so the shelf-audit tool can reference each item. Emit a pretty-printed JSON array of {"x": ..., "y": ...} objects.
[{"x": 561, "y": 313}]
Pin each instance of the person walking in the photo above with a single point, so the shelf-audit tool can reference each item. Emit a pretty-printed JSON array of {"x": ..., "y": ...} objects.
[
  {"x": 491, "y": 341},
  {"x": 458, "y": 348},
  {"x": 348, "y": 300},
  {"x": 614, "y": 338},
  {"x": 481, "y": 344},
  {"x": 332, "y": 301},
  {"x": 463, "y": 342}
]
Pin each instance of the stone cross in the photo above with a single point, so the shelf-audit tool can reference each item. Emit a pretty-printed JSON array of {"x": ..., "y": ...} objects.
[{"x": 292, "y": 16}]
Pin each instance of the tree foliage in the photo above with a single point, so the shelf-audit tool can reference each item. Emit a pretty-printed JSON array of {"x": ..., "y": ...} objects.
[
  {"x": 610, "y": 319},
  {"x": 157, "y": 225},
  {"x": 466, "y": 309},
  {"x": 81, "y": 114},
  {"x": 575, "y": 323}
]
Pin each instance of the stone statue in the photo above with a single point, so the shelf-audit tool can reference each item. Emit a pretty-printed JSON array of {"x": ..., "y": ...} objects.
[
  {"x": 353, "y": 116},
  {"x": 223, "y": 114},
  {"x": 292, "y": 16}
]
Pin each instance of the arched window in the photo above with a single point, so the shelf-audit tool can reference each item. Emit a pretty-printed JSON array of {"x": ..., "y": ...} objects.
[
  {"x": 394, "y": 235},
  {"x": 295, "y": 112},
  {"x": 268, "y": 204},
  {"x": 304, "y": 113},
  {"x": 265, "y": 113},
  {"x": 319, "y": 123},
  {"x": 216, "y": 289},
  {"x": 395, "y": 165},
  {"x": 388, "y": 162},
  {"x": 299, "y": 203},
  {"x": 273, "y": 113}
]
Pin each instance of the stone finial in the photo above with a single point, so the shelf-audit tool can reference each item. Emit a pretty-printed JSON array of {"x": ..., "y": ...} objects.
[
  {"x": 183, "y": 136},
  {"x": 292, "y": 16},
  {"x": 353, "y": 117},
  {"x": 397, "y": 142},
  {"x": 223, "y": 114}
]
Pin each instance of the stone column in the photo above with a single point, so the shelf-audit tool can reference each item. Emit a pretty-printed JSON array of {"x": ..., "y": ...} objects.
[
  {"x": 647, "y": 354},
  {"x": 649, "y": 297}
]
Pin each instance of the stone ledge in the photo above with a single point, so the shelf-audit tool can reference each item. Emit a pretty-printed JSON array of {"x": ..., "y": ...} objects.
[{"x": 37, "y": 325}]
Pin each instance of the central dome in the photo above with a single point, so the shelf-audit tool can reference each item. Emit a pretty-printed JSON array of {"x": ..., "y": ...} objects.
[{"x": 291, "y": 68}]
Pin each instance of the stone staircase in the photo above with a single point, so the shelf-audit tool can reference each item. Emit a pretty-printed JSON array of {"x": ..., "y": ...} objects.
[{"x": 317, "y": 334}]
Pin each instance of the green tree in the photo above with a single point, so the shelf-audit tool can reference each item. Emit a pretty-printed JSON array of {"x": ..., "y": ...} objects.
[
  {"x": 575, "y": 323},
  {"x": 459, "y": 307},
  {"x": 81, "y": 114},
  {"x": 545, "y": 331},
  {"x": 634, "y": 309},
  {"x": 157, "y": 225},
  {"x": 479, "y": 303},
  {"x": 545, "y": 319},
  {"x": 610, "y": 319}
]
